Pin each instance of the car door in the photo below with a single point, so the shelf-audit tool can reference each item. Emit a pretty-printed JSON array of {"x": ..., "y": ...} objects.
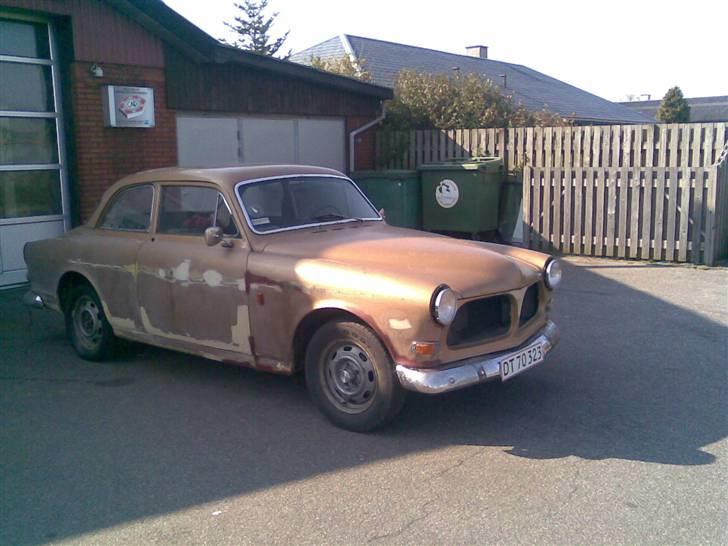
[
  {"x": 190, "y": 294},
  {"x": 108, "y": 255}
]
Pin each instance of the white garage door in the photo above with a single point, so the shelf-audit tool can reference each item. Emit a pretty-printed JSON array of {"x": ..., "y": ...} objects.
[{"x": 207, "y": 141}]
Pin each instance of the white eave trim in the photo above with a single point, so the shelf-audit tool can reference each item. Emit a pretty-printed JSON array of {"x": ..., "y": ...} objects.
[{"x": 349, "y": 50}]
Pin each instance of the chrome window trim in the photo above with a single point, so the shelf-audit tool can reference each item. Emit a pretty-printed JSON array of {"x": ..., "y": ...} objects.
[
  {"x": 378, "y": 218},
  {"x": 237, "y": 234}
]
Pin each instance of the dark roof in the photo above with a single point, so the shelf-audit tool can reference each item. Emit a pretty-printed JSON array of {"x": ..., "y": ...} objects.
[
  {"x": 163, "y": 21},
  {"x": 383, "y": 60},
  {"x": 702, "y": 109}
]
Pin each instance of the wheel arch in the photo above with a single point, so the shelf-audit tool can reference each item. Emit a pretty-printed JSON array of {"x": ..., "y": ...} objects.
[
  {"x": 316, "y": 318},
  {"x": 66, "y": 282}
]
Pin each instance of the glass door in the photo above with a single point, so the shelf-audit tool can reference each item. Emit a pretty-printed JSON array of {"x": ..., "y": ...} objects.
[{"x": 33, "y": 196}]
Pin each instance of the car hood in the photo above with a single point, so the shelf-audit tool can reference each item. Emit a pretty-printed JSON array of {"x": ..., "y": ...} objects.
[{"x": 469, "y": 267}]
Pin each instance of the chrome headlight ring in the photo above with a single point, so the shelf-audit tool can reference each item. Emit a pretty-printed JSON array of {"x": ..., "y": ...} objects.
[
  {"x": 552, "y": 274},
  {"x": 443, "y": 305}
]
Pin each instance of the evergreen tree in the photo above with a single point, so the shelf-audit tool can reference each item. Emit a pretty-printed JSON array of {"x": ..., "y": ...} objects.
[
  {"x": 252, "y": 28},
  {"x": 674, "y": 108}
]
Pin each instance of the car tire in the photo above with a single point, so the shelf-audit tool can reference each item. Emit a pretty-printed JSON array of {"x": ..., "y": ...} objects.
[
  {"x": 351, "y": 378},
  {"x": 86, "y": 326}
]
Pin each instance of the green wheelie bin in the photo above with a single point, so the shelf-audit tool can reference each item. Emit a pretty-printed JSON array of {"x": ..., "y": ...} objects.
[
  {"x": 462, "y": 196},
  {"x": 395, "y": 191}
]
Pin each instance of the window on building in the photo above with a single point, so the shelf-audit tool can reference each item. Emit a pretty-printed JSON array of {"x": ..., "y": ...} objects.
[{"x": 31, "y": 167}]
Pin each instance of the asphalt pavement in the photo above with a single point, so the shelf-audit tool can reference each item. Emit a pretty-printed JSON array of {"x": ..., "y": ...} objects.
[{"x": 620, "y": 438}]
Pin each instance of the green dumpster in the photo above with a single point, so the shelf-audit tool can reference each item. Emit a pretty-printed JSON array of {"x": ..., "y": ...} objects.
[
  {"x": 462, "y": 196},
  {"x": 510, "y": 208},
  {"x": 395, "y": 191}
]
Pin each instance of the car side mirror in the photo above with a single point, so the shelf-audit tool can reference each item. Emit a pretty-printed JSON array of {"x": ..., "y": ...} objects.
[
  {"x": 213, "y": 235},
  {"x": 382, "y": 214}
]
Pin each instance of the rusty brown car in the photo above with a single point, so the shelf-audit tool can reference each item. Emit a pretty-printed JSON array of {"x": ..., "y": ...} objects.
[{"x": 288, "y": 268}]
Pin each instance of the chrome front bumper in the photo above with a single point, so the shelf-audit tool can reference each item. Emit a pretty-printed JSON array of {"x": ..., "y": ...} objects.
[{"x": 465, "y": 373}]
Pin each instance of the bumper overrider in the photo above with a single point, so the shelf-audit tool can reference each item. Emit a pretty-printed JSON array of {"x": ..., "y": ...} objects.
[
  {"x": 471, "y": 371},
  {"x": 31, "y": 299}
]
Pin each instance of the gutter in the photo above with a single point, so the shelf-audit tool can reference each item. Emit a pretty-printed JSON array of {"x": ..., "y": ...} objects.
[{"x": 356, "y": 132}]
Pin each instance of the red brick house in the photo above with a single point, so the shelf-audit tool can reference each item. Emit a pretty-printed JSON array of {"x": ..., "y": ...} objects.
[{"x": 67, "y": 66}]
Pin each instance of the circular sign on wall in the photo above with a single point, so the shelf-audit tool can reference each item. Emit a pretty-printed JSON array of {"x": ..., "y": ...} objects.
[{"x": 447, "y": 193}]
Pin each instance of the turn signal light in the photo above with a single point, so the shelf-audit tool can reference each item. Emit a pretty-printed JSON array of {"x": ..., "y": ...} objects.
[{"x": 422, "y": 349}]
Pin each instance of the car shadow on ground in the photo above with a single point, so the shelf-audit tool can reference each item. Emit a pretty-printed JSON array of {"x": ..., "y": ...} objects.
[{"x": 87, "y": 446}]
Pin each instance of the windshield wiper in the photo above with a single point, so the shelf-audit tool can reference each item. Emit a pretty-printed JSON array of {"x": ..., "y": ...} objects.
[{"x": 328, "y": 217}]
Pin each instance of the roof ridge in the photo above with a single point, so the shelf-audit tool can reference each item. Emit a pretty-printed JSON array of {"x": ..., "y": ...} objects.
[{"x": 428, "y": 49}]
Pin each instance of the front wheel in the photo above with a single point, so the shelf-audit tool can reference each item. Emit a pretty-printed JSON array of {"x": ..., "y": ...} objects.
[
  {"x": 86, "y": 326},
  {"x": 351, "y": 377}
]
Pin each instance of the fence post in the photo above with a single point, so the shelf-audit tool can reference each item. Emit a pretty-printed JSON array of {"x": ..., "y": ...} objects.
[
  {"x": 711, "y": 230},
  {"x": 526, "y": 204}
]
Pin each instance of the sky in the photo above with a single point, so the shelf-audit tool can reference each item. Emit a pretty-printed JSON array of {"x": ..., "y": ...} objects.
[{"x": 612, "y": 49}]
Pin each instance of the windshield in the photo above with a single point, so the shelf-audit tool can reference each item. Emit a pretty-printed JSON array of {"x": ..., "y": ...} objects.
[{"x": 293, "y": 202}]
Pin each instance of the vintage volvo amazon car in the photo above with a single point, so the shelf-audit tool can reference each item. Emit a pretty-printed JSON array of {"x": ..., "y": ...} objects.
[{"x": 287, "y": 268}]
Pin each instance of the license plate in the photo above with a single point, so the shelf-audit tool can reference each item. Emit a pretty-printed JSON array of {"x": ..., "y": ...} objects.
[{"x": 521, "y": 361}]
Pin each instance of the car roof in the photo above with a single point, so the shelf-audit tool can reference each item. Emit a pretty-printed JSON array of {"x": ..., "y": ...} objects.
[{"x": 226, "y": 176}]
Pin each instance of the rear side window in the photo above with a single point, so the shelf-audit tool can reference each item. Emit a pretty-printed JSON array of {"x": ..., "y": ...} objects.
[
  {"x": 190, "y": 210},
  {"x": 130, "y": 210}
]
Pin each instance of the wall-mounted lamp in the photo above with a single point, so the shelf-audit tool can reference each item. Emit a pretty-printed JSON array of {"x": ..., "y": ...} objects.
[{"x": 96, "y": 71}]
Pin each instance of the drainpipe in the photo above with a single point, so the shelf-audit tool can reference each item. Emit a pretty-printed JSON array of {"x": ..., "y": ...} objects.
[{"x": 356, "y": 132}]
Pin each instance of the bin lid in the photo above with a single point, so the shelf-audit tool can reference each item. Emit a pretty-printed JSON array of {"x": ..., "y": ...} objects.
[
  {"x": 469, "y": 164},
  {"x": 395, "y": 174}
]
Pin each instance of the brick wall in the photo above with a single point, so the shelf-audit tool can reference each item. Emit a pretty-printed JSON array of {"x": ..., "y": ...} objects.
[{"x": 103, "y": 155}]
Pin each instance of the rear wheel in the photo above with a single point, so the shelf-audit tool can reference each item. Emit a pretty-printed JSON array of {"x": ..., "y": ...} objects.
[
  {"x": 351, "y": 377},
  {"x": 86, "y": 326}
]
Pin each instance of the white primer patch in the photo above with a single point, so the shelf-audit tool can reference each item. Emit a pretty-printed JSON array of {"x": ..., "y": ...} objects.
[
  {"x": 212, "y": 278},
  {"x": 182, "y": 271},
  {"x": 241, "y": 330},
  {"x": 396, "y": 324},
  {"x": 122, "y": 323}
]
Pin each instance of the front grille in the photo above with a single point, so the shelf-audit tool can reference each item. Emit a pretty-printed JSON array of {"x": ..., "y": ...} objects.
[
  {"x": 529, "y": 308},
  {"x": 479, "y": 320}
]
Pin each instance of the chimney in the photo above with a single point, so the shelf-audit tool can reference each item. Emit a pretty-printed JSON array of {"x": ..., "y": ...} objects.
[{"x": 479, "y": 51}]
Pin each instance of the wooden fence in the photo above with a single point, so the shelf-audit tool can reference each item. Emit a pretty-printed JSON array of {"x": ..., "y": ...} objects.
[
  {"x": 663, "y": 145},
  {"x": 656, "y": 213},
  {"x": 653, "y": 192}
]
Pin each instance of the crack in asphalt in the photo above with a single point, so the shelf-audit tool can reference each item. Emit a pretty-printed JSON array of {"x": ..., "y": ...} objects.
[
  {"x": 460, "y": 462},
  {"x": 406, "y": 526},
  {"x": 409, "y": 523}
]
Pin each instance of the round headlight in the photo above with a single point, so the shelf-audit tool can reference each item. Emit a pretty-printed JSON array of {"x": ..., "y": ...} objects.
[
  {"x": 444, "y": 305},
  {"x": 553, "y": 274}
]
